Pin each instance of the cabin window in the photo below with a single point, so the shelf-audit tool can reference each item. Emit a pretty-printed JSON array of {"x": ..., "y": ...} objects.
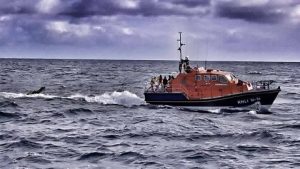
[
  {"x": 198, "y": 77},
  {"x": 207, "y": 77},
  {"x": 213, "y": 77},
  {"x": 223, "y": 79}
]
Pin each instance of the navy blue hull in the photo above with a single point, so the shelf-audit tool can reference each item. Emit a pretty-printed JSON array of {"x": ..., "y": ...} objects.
[{"x": 265, "y": 97}]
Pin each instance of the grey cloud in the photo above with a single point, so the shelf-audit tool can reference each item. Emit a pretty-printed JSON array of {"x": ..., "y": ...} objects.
[
  {"x": 192, "y": 3},
  {"x": 270, "y": 12},
  {"x": 264, "y": 13},
  {"x": 17, "y": 7},
  {"x": 149, "y": 8},
  {"x": 82, "y": 8},
  {"x": 23, "y": 23},
  {"x": 86, "y": 8},
  {"x": 22, "y": 31}
]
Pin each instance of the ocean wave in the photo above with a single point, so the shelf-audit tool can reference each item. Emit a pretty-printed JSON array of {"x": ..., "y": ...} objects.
[
  {"x": 234, "y": 110},
  {"x": 215, "y": 110},
  {"x": 8, "y": 115},
  {"x": 263, "y": 135},
  {"x": 5, "y": 117},
  {"x": 34, "y": 158},
  {"x": 199, "y": 157},
  {"x": 24, "y": 143},
  {"x": 92, "y": 156},
  {"x": 150, "y": 163},
  {"x": 124, "y": 98},
  {"x": 8, "y": 104},
  {"x": 130, "y": 156},
  {"x": 78, "y": 111},
  {"x": 197, "y": 110},
  {"x": 293, "y": 126},
  {"x": 255, "y": 148},
  {"x": 10, "y": 95},
  {"x": 111, "y": 137}
]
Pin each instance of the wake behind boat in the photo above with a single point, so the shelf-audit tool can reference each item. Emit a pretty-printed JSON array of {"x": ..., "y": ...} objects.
[{"x": 201, "y": 87}]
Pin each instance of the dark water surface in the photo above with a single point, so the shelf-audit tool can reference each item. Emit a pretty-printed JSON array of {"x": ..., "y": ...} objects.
[{"x": 92, "y": 115}]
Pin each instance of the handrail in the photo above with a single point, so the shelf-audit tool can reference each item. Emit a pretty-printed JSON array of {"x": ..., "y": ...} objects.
[{"x": 265, "y": 84}]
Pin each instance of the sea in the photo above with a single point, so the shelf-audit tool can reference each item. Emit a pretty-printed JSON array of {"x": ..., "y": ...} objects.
[{"x": 92, "y": 115}]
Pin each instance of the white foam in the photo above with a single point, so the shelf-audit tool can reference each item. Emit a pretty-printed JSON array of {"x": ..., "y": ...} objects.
[
  {"x": 216, "y": 110},
  {"x": 124, "y": 98},
  {"x": 22, "y": 95},
  {"x": 252, "y": 112},
  {"x": 202, "y": 108}
]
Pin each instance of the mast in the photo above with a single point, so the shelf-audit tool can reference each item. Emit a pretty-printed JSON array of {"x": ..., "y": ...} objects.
[
  {"x": 180, "y": 51},
  {"x": 180, "y": 45}
]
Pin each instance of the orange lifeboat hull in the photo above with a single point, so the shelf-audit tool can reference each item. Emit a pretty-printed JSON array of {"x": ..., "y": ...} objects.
[{"x": 264, "y": 97}]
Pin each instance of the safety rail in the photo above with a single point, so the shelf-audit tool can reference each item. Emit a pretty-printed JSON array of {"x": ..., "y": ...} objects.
[{"x": 263, "y": 84}]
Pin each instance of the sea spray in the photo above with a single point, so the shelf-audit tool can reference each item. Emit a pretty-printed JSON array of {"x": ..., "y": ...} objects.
[
  {"x": 22, "y": 95},
  {"x": 124, "y": 98}
]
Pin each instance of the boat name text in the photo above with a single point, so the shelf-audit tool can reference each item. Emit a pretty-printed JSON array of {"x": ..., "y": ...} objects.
[{"x": 250, "y": 100}]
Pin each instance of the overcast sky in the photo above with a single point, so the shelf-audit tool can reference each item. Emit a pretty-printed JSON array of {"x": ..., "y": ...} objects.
[{"x": 267, "y": 30}]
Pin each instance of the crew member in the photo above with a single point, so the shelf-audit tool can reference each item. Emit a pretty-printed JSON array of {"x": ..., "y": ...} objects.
[
  {"x": 160, "y": 79},
  {"x": 186, "y": 64},
  {"x": 165, "y": 82},
  {"x": 180, "y": 66},
  {"x": 186, "y": 60},
  {"x": 152, "y": 83}
]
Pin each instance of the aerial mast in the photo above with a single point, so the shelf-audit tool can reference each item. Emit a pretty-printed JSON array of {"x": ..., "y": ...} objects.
[
  {"x": 180, "y": 45},
  {"x": 180, "y": 51}
]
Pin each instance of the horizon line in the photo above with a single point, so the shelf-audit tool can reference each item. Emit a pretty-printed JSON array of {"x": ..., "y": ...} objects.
[{"x": 264, "y": 61}]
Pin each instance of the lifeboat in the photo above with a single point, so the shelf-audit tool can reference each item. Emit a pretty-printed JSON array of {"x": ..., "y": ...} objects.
[{"x": 202, "y": 87}]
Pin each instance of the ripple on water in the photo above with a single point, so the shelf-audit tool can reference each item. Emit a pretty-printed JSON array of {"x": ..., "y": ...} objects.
[
  {"x": 93, "y": 156},
  {"x": 5, "y": 117},
  {"x": 199, "y": 157},
  {"x": 35, "y": 159},
  {"x": 129, "y": 156},
  {"x": 78, "y": 111},
  {"x": 24, "y": 143},
  {"x": 292, "y": 126},
  {"x": 8, "y": 104},
  {"x": 255, "y": 148}
]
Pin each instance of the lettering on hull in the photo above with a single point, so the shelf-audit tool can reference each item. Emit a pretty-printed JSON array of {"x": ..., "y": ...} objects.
[{"x": 247, "y": 101}]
